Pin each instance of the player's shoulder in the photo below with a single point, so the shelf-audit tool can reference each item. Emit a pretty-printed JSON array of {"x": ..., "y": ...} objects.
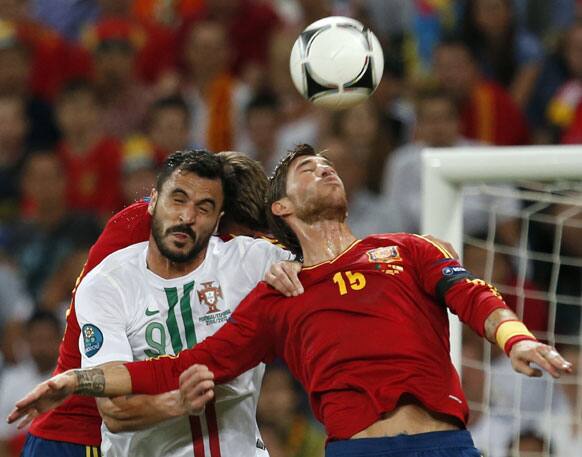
[
  {"x": 241, "y": 245},
  {"x": 130, "y": 216},
  {"x": 264, "y": 292},
  {"x": 398, "y": 239},
  {"x": 116, "y": 266},
  {"x": 408, "y": 242}
]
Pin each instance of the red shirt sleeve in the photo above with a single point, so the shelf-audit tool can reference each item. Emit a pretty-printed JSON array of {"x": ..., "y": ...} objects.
[
  {"x": 240, "y": 344},
  {"x": 129, "y": 226},
  {"x": 444, "y": 278}
]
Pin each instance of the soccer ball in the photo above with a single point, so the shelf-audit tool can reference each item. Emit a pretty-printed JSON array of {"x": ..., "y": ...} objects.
[{"x": 336, "y": 62}]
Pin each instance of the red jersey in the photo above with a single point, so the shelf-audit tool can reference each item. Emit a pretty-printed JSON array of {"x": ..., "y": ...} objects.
[
  {"x": 77, "y": 420},
  {"x": 371, "y": 326},
  {"x": 94, "y": 178},
  {"x": 491, "y": 116},
  {"x": 54, "y": 60}
]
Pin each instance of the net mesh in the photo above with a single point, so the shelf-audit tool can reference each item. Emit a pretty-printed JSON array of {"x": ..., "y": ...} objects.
[{"x": 526, "y": 239}]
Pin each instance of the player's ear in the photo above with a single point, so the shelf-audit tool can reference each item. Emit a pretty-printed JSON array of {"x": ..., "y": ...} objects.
[
  {"x": 153, "y": 200},
  {"x": 282, "y": 207},
  {"x": 218, "y": 222}
]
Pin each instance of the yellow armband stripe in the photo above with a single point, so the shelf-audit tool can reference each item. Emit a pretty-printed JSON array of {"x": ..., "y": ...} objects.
[{"x": 509, "y": 329}]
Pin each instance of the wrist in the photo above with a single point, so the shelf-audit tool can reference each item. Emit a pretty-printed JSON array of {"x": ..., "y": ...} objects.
[
  {"x": 510, "y": 332},
  {"x": 72, "y": 380},
  {"x": 170, "y": 404}
]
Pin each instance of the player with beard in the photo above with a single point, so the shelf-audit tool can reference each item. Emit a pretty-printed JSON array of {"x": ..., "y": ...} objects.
[
  {"x": 368, "y": 339},
  {"x": 74, "y": 428}
]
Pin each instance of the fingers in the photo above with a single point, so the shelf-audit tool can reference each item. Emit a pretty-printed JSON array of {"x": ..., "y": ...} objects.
[
  {"x": 553, "y": 362},
  {"x": 283, "y": 276},
  {"x": 538, "y": 357},
  {"x": 32, "y": 414},
  {"x": 523, "y": 367},
  {"x": 14, "y": 415},
  {"x": 33, "y": 396},
  {"x": 546, "y": 357},
  {"x": 196, "y": 388},
  {"x": 292, "y": 270}
]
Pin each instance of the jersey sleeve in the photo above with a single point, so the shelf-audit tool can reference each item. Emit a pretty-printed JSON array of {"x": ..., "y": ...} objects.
[
  {"x": 445, "y": 279},
  {"x": 242, "y": 342},
  {"x": 100, "y": 315},
  {"x": 129, "y": 226},
  {"x": 258, "y": 256}
]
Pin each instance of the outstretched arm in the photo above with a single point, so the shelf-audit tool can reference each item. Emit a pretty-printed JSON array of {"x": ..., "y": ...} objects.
[
  {"x": 480, "y": 305},
  {"x": 101, "y": 381},
  {"x": 504, "y": 328},
  {"x": 239, "y": 345},
  {"x": 89, "y": 381}
]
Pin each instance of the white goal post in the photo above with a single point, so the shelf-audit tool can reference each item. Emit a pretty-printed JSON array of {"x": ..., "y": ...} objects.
[{"x": 446, "y": 170}]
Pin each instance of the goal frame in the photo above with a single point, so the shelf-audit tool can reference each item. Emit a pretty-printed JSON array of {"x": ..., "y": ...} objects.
[{"x": 446, "y": 170}]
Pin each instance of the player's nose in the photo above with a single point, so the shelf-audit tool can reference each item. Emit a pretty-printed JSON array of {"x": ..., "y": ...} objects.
[
  {"x": 325, "y": 170},
  {"x": 187, "y": 216}
]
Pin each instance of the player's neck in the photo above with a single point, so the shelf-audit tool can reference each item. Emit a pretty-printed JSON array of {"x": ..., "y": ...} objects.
[
  {"x": 165, "y": 268},
  {"x": 323, "y": 240}
]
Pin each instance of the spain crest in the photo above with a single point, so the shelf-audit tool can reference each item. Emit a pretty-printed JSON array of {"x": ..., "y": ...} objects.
[
  {"x": 208, "y": 295},
  {"x": 385, "y": 254}
]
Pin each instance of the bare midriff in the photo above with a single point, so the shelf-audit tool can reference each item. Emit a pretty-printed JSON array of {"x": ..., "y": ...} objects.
[{"x": 409, "y": 418}]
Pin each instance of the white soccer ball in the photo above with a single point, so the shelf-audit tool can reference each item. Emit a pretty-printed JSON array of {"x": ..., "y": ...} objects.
[{"x": 336, "y": 62}]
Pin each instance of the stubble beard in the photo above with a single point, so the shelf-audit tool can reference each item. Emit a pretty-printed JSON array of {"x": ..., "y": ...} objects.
[
  {"x": 160, "y": 235},
  {"x": 317, "y": 210}
]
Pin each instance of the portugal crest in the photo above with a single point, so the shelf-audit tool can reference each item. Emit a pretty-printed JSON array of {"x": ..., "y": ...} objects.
[{"x": 208, "y": 295}]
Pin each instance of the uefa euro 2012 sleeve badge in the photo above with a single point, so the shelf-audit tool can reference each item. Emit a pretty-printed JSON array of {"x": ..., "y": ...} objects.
[{"x": 92, "y": 339}]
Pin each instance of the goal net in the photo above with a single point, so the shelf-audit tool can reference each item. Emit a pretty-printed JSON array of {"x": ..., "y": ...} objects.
[{"x": 516, "y": 215}]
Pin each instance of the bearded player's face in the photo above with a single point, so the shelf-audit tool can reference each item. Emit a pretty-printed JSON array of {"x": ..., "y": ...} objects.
[
  {"x": 316, "y": 190},
  {"x": 185, "y": 213}
]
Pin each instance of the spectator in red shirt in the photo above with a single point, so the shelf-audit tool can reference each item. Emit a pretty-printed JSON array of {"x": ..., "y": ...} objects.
[
  {"x": 16, "y": 72},
  {"x": 13, "y": 151},
  {"x": 156, "y": 54},
  {"x": 249, "y": 27},
  {"x": 92, "y": 160},
  {"x": 43, "y": 240},
  {"x": 114, "y": 44},
  {"x": 487, "y": 111},
  {"x": 54, "y": 61}
]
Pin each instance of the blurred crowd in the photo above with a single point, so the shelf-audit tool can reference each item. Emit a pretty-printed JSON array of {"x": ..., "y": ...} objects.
[{"x": 94, "y": 94}]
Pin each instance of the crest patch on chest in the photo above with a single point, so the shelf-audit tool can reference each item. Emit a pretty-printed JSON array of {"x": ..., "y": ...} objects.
[
  {"x": 209, "y": 295},
  {"x": 385, "y": 254}
]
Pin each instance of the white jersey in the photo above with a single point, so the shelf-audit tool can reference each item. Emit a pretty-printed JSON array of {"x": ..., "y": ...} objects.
[{"x": 126, "y": 313}]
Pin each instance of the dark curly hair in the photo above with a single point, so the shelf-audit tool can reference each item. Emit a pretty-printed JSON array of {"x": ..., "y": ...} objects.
[{"x": 199, "y": 161}]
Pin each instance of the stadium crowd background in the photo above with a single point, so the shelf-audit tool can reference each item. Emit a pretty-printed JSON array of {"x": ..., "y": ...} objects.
[{"x": 95, "y": 93}]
